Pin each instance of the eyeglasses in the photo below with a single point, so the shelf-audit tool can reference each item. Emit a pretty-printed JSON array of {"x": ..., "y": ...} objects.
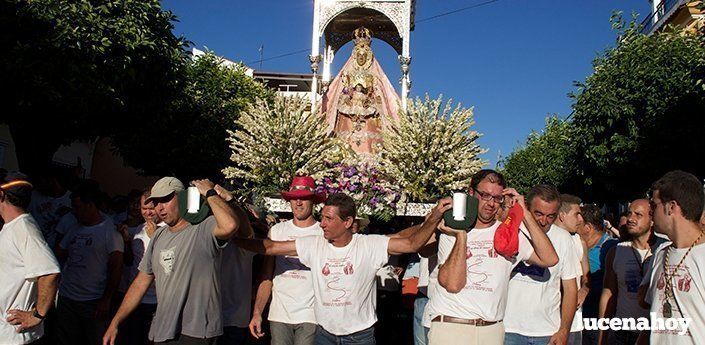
[
  {"x": 653, "y": 204},
  {"x": 487, "y": 196}
]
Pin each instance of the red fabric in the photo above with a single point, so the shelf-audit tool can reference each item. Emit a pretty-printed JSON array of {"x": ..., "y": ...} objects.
[
  {"x": 506, "y": 238},
  {"x": 303, "y": 187}
]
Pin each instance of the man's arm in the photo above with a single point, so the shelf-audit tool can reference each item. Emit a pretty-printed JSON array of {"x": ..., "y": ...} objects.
[
  {"x": 264, "y": 291},
  {"x": 452, "y": 275},
  {"x": 610, "y": 293},
  {"x": 544, "y": 254},
  {"x": 413, "y": 242},
  {"x": 569, "y": 300},
  {"x": 245, "y": 230},
  {"x": 585, "y": 279},
  {"x": 226, "y": 222},
  {"x": 46, "y": 291},
  {"x": 127, "y": 256},
  {"x": 267, "y": 246},
  {"x": 132, "y": 299},
  {"x": 115, "y": 263}
]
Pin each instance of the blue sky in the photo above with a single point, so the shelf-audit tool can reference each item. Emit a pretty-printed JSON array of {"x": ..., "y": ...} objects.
[{"x": 514, "y": 61}]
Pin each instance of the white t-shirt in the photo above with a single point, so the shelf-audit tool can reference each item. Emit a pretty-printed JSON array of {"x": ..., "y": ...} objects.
[
  {"x": 431, "y": 292},
  {"x": 629, "y": 277},
  {"x": 46, "y": 211},
  {"x": 84, "y": 276},
  {"x": 688, "y": 285},
  {"x": 344, "y": 280},
  {"x": 541, "y": 286},
  {"x": 25, "y": 257},
  {"x": 485, "y": 293},
  {"x": 577, "y": 325},
  {"x": 128, "y": 274},
  {"x": 236, "y": 285},
  {"x": 138, "y": 244},
  {"x": 292, "y": 286}
]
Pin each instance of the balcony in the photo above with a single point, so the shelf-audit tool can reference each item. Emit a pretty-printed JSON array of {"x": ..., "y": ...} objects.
[{"x": 658, "y": 18}]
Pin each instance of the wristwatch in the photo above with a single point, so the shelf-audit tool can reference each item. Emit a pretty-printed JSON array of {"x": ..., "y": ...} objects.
[
  {"x": 37, "y": 315},
  {"x": 211, "y": 192}
]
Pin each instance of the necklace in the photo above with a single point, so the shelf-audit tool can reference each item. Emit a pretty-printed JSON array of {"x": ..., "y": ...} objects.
[
  {"x": 639, "y": 261},
  {"x": 668, "y": 292}
]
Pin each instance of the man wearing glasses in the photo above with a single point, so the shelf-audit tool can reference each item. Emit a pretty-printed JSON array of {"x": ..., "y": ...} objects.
[{"x": 468, "y": 305}]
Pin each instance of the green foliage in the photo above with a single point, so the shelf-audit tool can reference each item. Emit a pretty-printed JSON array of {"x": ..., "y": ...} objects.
[
  {"x": 640, "y": 113},
  {"x": 546, "y": 157},
  {"x": 80, "y": 69},
  {"x": 188, "y": 140},
  {"x": 431, "y": 151},
  {"x": 275, "y": 142}
]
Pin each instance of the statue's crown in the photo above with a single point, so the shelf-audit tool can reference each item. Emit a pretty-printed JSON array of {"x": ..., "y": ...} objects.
[{"x": 362, "y": 35}]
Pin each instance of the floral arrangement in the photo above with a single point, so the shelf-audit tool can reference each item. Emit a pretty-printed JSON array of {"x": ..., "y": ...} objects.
[
  {"x": 278, "y": 141},
  {"x": 430, "y": 150},
  {"x": 375, "y": 196}
]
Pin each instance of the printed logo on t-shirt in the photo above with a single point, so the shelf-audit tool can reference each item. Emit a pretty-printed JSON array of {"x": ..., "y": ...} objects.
[
  {"x": 480, "y": 256},
  {"x": 338, "y": 277},
  {"x": 166, "y": 259},
  {"x": 681, "y": 284},
  {"x": 76, "y": 249}
]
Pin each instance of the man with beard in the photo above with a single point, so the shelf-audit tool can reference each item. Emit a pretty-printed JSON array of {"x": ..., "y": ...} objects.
[
  {"x": 677, "y": 280},
  {"x": 625, "y": 266},
  {"x": 467, "y": 306}
]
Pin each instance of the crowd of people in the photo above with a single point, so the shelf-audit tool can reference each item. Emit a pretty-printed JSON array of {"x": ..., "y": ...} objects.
[{"x": 81, "y": 268}]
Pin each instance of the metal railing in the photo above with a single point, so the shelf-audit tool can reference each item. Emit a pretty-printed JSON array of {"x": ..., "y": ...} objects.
[{"x": 656, "y": 19}]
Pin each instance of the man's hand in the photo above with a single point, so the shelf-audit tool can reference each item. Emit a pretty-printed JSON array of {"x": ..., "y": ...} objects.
[
  {"x": 150, "y": 227},
  {"x": 514, "y": 197},
  {"x": 560, "y": 338},
  {"x": 256, "y": 326},
  {"x": 103, "y": 308},
  {"x": 448, "y": 230},
  {"x": 25, "y": 319},
  {"x": 440, "y": 208},
  {"x": 110, "y": 335},
  {"x": 223, "y": 193},
  {"x": 203, "y": 185}
]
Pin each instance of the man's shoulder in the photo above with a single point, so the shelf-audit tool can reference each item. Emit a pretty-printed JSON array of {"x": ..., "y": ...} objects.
[{"x": 281, "y": 226}]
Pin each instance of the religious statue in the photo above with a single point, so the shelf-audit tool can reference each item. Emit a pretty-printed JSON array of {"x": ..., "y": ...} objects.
[{"x": 359, "y": 100}]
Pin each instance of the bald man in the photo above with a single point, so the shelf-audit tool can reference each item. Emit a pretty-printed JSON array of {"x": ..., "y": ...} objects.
[{"x": 625, "y": 266}]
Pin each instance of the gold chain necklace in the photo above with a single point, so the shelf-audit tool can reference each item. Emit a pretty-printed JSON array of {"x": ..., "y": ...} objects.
[{"x": 668, "y": 292}]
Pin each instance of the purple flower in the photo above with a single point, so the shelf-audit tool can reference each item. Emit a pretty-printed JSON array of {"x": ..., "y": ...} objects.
[{"x": 352, "y": 188}]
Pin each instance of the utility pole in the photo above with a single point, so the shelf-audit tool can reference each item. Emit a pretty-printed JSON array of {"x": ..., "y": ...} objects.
[{"x": 261, "y": 56}]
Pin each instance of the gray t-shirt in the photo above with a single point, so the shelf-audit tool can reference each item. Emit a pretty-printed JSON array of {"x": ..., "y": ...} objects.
[
  {"x": 186, "y": 269},
  {"x": 85, "y": 273}
]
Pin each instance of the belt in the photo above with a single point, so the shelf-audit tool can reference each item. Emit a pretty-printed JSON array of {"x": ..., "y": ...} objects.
[{"x": 474, "y": 322}]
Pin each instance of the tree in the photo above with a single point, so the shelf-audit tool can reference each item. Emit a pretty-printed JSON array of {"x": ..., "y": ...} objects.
[
  {"x": 188, "y": 140},
  {"x": 640, "y": 113},
  {"x": 275, "y": 142},
  {"x": 431, "y": 151},
  {"x": 546, "y": 157},
  {"x": 80, "y": 69}
]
